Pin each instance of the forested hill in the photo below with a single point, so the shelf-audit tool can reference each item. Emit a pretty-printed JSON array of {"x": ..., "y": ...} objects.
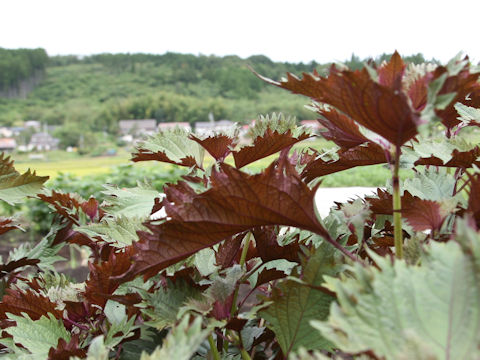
[
  {"x": 20, "y": 70},
  {"x": 94, "y": 92}
]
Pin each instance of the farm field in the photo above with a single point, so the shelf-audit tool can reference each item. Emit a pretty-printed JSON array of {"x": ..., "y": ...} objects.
[{"x": 59, "y": 162}]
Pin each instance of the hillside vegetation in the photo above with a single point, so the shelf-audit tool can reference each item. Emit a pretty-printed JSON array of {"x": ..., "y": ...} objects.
[{"x": 94, "y": 92}]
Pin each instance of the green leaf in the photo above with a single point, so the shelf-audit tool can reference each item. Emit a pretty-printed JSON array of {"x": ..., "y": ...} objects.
[
  {"x": 43, "y": 250},
  {"x": 398, "y": 309},
  {"x": 279, "y": 264},
  {"x": 182, "y": 341},
  {"x": 132, "y": 202},
  {"x": 149, "y": 340},
  {"x": 97, "y": 350},
  {"x": 223, "y": 287},
  {"x": 303, "y": 354},
  {"x": 119, "y": 330},
  {"x": 37, "y": 336},
  {"x": 249, "y": 334},
  {"x": 204, "y": 261},
  {"x": 172, "y": 146},
  {"x": 467, "y": 113},
  {"x": 431, "y": 184},
  {"x": 276, "y": 123},
  {"x": 115, "y": 312},
  {"x": 163, "y": 305},
  {"x": 119, "y": 232},
  {"x": 15, "y": 187},
  {"x": 296, "y": 302},
  {"x": 432, "y": 147}
]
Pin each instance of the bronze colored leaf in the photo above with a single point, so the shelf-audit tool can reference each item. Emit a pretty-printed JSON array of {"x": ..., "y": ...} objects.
[
  {"x": 270, "y": 143},
  {"x": 379, "y": 108},
  {"x": 236, "y": 202},
  {"x": 391, "y": 73},
  {"x": 104, "y": 276},
  {"x": 460, "y": 159},
  {"x": 7, "y": 224},
  {"x": 229, "y": 251},
  {"x": 467, "y": 91},
  {"x": 361, "y": 155},
  {"x": 65, "y": 205},
  {"x": 16, "y": 302},
  {"x": 474, "y": 197},
  {"x": 268, "y": 248},
  {"x": 418, "y": 92},
  {"x": 421, "y": 214},
  {"x": 219, "y": 146},
  {"x": 64, "y": 350},
  {"x": 11, "y": 266},
  {"x": 147, "y": 155},
  {"x": 342, "y": 130}
]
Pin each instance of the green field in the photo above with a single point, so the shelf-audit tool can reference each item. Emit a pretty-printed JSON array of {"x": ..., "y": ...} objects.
[
  {"x": 62, "y": 162},
  {"x": 58, "y": 162}
]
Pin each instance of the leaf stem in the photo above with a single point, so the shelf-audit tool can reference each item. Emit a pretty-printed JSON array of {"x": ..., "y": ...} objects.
[
  {"x": 213, "y": 348},
  {"x": 397, "y": 206},
  {"x": 245, "y": 355},
  {"x": 243, "y": 257},
  {"x": 341, "y": 248}
]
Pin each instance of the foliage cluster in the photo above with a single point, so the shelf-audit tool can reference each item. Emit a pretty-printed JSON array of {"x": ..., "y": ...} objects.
[
  {"x": 17, "y": 65},
  {"x": 40, "y": 217},
  {"x": 93, "y": 93},
  {"x": 233, "y": 265}
]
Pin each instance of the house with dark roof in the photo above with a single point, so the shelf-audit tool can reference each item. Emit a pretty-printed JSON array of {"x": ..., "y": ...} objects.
[
  {"x": 172, "y": 125},
  {"x": 43, "y": 141},
  {"x": 138, "y": 127},
  {"x": 212, "y": 127}
]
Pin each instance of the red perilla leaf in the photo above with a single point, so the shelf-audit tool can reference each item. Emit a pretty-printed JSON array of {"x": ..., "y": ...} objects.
[
  {"x": 7, "y": 224},
  {"x": 91, "y": 208},
  {"x": 170, "y": 146},
  {"x": 467, "y": 91},
  {"x": 219, "y": 145},
  {"x": 391, "y": 73},
  {"x": 270, "y": 143},
  {"x": 65, "y": 350},
  {"x": 229, "y": 251},
  {"x": 65, "y": 205},
  {"x": 381, "y": 108},
  {"x": 460, "y": 159},
  {"x": 236, "y": 202},
  {"x": 361, "y": 155},
  {"x": 269, "y": 249},
  {"x": 11, "y": 266},
  {"x": 341, "y": 129},
  {"x": 418, "y": 92},
  {"x": 147, "y": 155},
  {"x": 104, "y": 277},
  {"x": 474, "y": 197},
  {"x": 421, "y": 214},
  {"x": 35, "y": 305}
]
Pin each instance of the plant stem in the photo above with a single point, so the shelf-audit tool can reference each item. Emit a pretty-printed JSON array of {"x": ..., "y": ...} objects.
[
  {"x": 397, "y": 207},
  {"x": 245, "y": 249},
  {"x": 213, "y": 348},
  {"x": 243, "y": 257},
  {"x": 245, "y": 355}
]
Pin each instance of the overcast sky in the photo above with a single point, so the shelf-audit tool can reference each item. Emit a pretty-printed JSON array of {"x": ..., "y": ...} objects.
[{"x": 294, "y": 31}]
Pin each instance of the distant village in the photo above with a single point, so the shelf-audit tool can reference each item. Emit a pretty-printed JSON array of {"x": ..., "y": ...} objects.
[{"x": 131, "y": 131}]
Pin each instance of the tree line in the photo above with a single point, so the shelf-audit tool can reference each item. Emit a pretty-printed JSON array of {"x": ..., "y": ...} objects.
[
  {"x": 91, "y": 94},
  {"x": 19, "y": 64}
]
